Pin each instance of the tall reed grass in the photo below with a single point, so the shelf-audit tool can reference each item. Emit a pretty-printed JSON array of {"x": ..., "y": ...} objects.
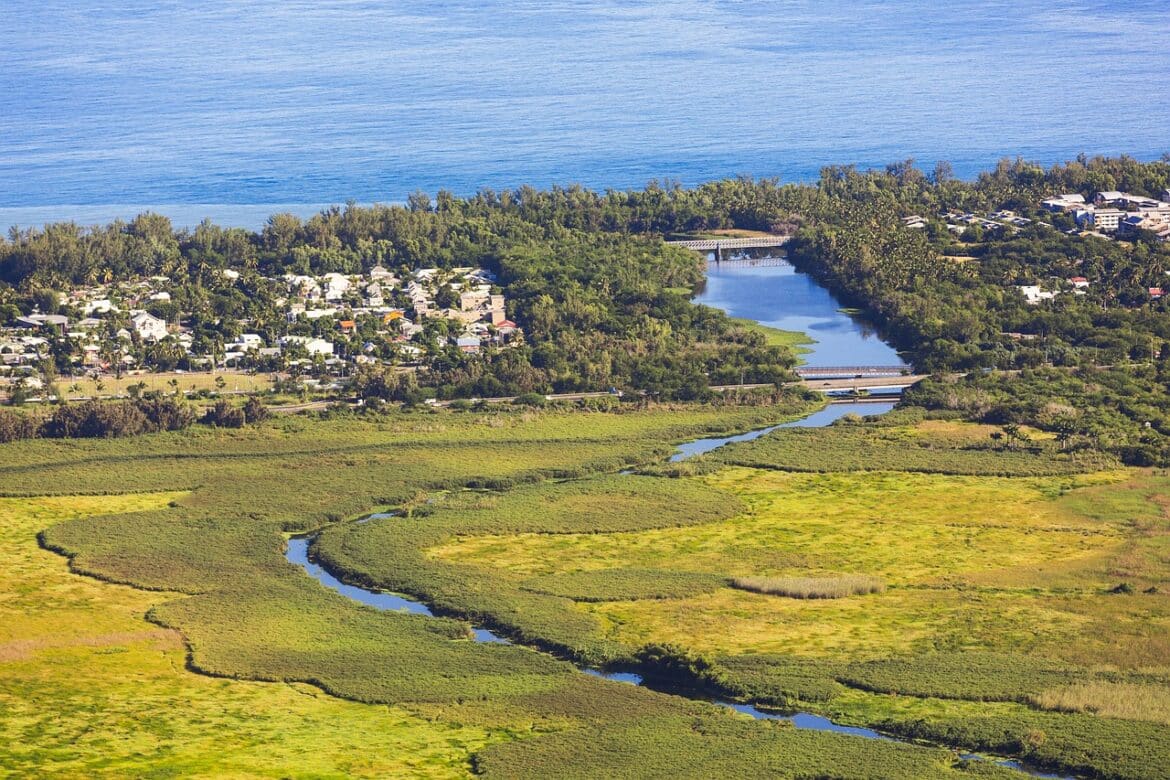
[
  {"x": 1109, "y": 699},
  {"x": 812, "y": 587}
]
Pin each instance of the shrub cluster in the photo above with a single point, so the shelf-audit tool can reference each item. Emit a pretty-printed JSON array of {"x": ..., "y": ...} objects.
[{"x": 114, "y": 419}]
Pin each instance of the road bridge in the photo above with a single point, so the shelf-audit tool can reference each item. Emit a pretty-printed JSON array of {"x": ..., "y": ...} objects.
[
  {"x": 873, "y": 384},
  {"x": 721, "y": 245},
  {"x": 718, "y": 244},
  {"x": 845, "y": 372}
]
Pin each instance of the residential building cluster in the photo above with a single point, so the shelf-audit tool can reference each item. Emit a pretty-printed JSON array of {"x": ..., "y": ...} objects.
[
  {"x": 374, "y": 317},
  {"x": 1118, "y": 214},
  {"x": 958, "y": 223}
]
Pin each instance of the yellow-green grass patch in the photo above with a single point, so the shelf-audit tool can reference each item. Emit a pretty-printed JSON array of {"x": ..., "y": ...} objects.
[
  {"x": 89, "y": 688},
  {"x": 795, "y": 340},
  {"x": 1110, "y": 700},
  {"x": 897, "y": 622},
  {"x": 188, "y": 382},
  {"x": 908, "y": 529}
]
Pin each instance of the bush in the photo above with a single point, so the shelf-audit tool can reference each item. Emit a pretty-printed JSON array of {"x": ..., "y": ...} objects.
[
  {"x": 94, "y": 419},
  {"x": 224, "y": 415},
  {"x": 254, "y": 410},
  {"x": 15, "y": 426},
  {"x": 167, "y": 414},
  {"x": 530, "y": 399},
  {"x": 676, "y": 665}
]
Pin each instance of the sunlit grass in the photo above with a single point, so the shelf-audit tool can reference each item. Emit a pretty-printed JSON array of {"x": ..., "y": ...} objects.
[
  {"x": 90, "y": 689},
  {"x": 1110, "y": 700},
  {"x": 795, "y": 340},
  {"x": 904, "y": 528}
]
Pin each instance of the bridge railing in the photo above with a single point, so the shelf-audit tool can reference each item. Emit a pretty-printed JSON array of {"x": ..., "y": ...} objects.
[
  {"x": 710, "y": 244},
  {"x": 826, "y": 371}
]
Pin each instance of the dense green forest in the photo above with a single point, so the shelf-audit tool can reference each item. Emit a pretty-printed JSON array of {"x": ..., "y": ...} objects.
[{"x": 604, "y": 302}]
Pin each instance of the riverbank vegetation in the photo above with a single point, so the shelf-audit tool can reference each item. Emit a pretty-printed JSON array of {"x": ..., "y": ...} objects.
[
  {"x": 909, "y": 440},
  {"x": 244, "y": 613}
]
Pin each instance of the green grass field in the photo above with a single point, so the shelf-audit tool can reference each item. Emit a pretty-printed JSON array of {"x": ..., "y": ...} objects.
[
  {"x": 188, "y": 382},
  {"x": 796, "y": 340},
  {"x": 1001, "y": 626}
]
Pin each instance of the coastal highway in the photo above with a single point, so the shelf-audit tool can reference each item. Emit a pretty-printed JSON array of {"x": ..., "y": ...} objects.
[{"x": 819, "y": 385}]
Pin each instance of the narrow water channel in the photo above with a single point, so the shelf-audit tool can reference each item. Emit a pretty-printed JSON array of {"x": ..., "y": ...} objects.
[
  {"x": 298, "y": 553},
  {"x": 774, "y": 294}
]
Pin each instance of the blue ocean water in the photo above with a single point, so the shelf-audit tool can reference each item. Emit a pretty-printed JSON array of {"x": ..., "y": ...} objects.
[{"x": 193, "y": 107}]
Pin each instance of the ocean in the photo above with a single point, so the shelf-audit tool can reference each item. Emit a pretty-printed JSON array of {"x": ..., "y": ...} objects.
[{"x": 234, "y": 109}]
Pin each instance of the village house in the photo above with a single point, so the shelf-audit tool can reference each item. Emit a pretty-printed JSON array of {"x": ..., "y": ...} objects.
[
  {"x": 1105, "y": 220},
  {"x": 312, "y": 345},
  {"x": 383, "y": 277},
  {"x": 468, "y": 343},
  {"x": 98, "y": 306},
  {"x": 147, "y": 326},
  {"x": 336, "y": 286},
  {"x": 1133, "y": 225},
  {"x": 41, "y": 321},
  {"x": 374, "y": 297},
  {"x": 1033, "y": 294}
]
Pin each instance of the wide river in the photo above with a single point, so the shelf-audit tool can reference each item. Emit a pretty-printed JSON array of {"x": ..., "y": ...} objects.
[
  {"x": 781, "y": 297},
  {"x": 775, "y": 295},
  {"x": 234, "y": 109}
]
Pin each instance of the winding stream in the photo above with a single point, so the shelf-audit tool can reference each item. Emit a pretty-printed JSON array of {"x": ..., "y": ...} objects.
[{"x": 743, "y": 291}]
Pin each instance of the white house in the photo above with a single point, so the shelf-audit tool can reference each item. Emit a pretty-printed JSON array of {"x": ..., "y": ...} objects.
[
  {"x": 1033, "y": 294},
  {"x": 306, "y": 286},
  {"x": 99, "y": 306},
  {"x": 374, "y": 297},
  {"x": 336, "y": 286},
  {"x": 312, "y": 346},
  {"x": 1105, "y": 220},
  {"x": 148, "y": 327},
  {"x": 380, "y": 274}
]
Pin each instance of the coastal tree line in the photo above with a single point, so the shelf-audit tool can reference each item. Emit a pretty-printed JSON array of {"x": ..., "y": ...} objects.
[{"x": 605, "y": 303}]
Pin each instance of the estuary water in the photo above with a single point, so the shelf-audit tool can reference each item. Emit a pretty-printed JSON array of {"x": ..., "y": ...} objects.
[
  {"x": 233, "y": 110},
  {"x": 774, "y": 293}
]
